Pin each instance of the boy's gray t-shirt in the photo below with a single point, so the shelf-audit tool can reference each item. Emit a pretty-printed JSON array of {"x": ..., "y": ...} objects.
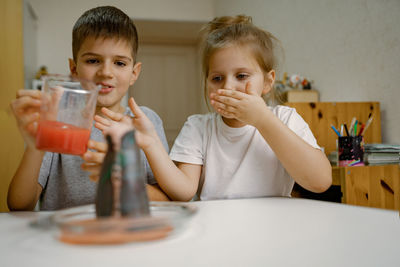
[{"x": 64, "y": 182}]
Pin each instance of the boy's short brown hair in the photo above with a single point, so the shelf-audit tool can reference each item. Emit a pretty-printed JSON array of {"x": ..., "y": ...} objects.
[{"x": 104, "y": 22}]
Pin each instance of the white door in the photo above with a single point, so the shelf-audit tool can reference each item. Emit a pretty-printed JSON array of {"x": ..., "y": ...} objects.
[{"x": 169, "y": 84}]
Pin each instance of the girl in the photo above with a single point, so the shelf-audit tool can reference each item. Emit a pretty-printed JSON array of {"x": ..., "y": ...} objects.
[{"x": 244, "y": 149}]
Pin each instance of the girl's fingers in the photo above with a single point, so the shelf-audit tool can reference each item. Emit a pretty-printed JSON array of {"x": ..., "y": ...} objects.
[
  {"x": 223, "y": 106},
  {"x": 229, "y": 101},
  {"x": 100, "y": 126},
  {"x": 101, "y": 123},
  {"x": 135, "y": 108},
  {"x": 111, "y": 117},
  {"x": 115, "y": 116},
  {"x": 226, "y": 114},
  {"x": 249, "y": 90},
  {"x": 102, "y": 120},
  {"x": 231, "y": 93}
]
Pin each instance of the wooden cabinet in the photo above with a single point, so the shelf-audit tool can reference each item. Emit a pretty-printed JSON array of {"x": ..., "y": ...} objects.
[
  {"x": 11, "y": 79},
  {"x": 369, "y": 186}
]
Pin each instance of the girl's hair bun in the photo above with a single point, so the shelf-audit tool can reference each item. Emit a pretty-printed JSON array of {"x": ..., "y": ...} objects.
[{"x": 226, "y": 21}]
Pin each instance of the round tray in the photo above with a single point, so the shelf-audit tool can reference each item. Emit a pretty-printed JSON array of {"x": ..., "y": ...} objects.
[{"x": 79, "y": 225}]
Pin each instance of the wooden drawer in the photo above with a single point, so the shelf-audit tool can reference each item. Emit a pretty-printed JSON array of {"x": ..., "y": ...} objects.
[{"x": 372, "y": 186}]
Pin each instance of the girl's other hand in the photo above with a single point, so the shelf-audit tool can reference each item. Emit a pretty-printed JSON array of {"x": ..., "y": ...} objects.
[
  {"x": 245, "y": 107},
  {"x": 146, "y": 133},
  {"x": 93, "y": 160},
  {"x": 110, "y": 118},
  {"x": 26, "y": 108}
]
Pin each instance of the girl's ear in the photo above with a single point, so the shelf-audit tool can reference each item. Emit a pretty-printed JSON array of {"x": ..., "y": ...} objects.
[
  {"x": 269, "y": 82},
  {"x": 72, "y": 67},
  {"x": 135, "y": 72}
]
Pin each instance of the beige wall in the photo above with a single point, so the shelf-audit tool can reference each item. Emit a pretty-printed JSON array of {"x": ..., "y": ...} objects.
[
  {"x": 11, "y": 79},
  {"x": 57, "y": 17},
  {"x": 351, "y": 49}
]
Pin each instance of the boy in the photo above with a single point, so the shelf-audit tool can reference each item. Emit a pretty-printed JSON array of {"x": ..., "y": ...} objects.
[{"x": 104, "y": 44}]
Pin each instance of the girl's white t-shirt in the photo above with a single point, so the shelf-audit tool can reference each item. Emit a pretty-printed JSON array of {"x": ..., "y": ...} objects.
[{"x": 237, "y": 162}]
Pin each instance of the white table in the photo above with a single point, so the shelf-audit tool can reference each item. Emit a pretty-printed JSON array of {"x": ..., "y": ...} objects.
[{"x": 248, "y": 232}]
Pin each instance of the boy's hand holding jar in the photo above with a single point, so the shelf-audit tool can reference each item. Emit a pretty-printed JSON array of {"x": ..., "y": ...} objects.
[{"x": 26, "y": 108}]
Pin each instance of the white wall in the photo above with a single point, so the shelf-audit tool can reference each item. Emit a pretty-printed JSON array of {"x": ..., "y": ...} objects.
[
  {"x": 57, "y": 17},
  {"x": 351, "y": 49}
]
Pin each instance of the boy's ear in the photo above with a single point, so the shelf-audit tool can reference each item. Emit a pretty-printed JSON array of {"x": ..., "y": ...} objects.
[
  {"x": 269, "y": 82},
  {"x": 135, "y": 72},
  {"x": 72, "y": 66}
]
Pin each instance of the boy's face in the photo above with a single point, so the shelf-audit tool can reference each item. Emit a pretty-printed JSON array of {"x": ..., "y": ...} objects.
[{"x": 109, "y": 63}]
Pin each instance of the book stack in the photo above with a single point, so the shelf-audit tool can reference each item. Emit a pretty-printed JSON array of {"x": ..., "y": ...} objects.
[{"x": 379, "y": 154}]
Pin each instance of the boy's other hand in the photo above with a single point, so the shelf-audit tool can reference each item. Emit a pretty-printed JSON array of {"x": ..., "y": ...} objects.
[
  {"x": 26, "y": 108},
  {"x": 94, "y": 159}
]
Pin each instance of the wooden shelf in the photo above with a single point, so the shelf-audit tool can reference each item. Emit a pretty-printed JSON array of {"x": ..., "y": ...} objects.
[{"x": 321, "y": 115}]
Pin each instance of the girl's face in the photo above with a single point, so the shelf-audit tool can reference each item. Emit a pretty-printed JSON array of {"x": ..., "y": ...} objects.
[
  {"x": 109, "y": 63},
  {"x": 232, "y": 68}
]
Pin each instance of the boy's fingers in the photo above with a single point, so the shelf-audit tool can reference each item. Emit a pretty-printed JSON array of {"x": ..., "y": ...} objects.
[
  {"x": 32, "y": 128},
  {"x": 28, "y": 119},
  {"x": 91, "y": 158},
  {"x": 115, "y": 116},
  {"x": 94, "y": 178},
  {"x": 87, "y": 166},
  {"x": 94, "y": 169},
  {"x": 24, "y": 103},
  {"x": 99, "y": 146},
  {"x": 29, "y": 92}
]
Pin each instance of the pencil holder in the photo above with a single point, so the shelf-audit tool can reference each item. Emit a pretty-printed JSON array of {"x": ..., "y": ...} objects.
[{"x": 351, "y": 151}]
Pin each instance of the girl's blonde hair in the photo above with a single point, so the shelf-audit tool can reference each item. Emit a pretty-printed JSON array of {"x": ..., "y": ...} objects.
[{"x": 237, "y": 30}]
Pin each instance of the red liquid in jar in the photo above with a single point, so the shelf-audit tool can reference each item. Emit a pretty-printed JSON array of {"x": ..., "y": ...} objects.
[{"x": 62, "y": 138}]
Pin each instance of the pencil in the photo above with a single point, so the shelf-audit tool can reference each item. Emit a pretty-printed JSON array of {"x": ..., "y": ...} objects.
[
  {"x": 361, "y": 129},
  {"x": 366, "y": 125},
  {"x": 336, "y": 131},
  {"x": 347, "y": 131},
  {"x": 352, "y": 125},
  {"x": 355, "y": 128}
]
